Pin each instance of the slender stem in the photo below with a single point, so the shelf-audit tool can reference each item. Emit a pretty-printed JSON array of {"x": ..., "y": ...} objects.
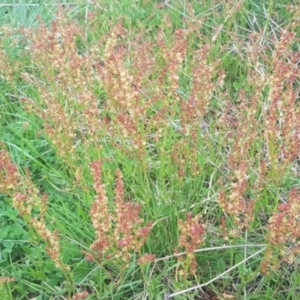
[{"x": 214, "y": 279}]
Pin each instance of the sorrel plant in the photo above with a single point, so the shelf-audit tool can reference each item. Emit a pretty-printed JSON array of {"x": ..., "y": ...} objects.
[{"x": 195, "y": 159}]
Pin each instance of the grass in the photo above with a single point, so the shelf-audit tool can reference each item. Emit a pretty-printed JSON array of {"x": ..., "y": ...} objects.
[{"x": 149, "y": 150}]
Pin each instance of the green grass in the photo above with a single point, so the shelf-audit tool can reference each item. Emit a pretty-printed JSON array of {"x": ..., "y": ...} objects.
[{"x": 225, "y": 267}]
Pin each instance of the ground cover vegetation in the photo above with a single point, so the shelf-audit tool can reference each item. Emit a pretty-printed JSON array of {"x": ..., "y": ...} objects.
[{"x": 150, "y": 150}]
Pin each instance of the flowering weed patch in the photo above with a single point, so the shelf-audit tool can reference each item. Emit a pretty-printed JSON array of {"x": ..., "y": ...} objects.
[{"x": 152, "y": 159}]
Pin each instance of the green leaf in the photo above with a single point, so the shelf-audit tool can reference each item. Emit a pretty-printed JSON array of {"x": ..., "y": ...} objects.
[
  {"x": 81, "y": 272},
  {"x": 221, "y": 266},
  {"x": 6, "y": 251},
  {"x": 27, "y": 250},
  {"x": 39, "y": 275},
  {"x": 236, "y": 85},
  {"x": 241, "y": 268},
  {"x": 3, "y": 233},
  {"x": 8, "y": 244},
  {"x": 54, "y": 281}
]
